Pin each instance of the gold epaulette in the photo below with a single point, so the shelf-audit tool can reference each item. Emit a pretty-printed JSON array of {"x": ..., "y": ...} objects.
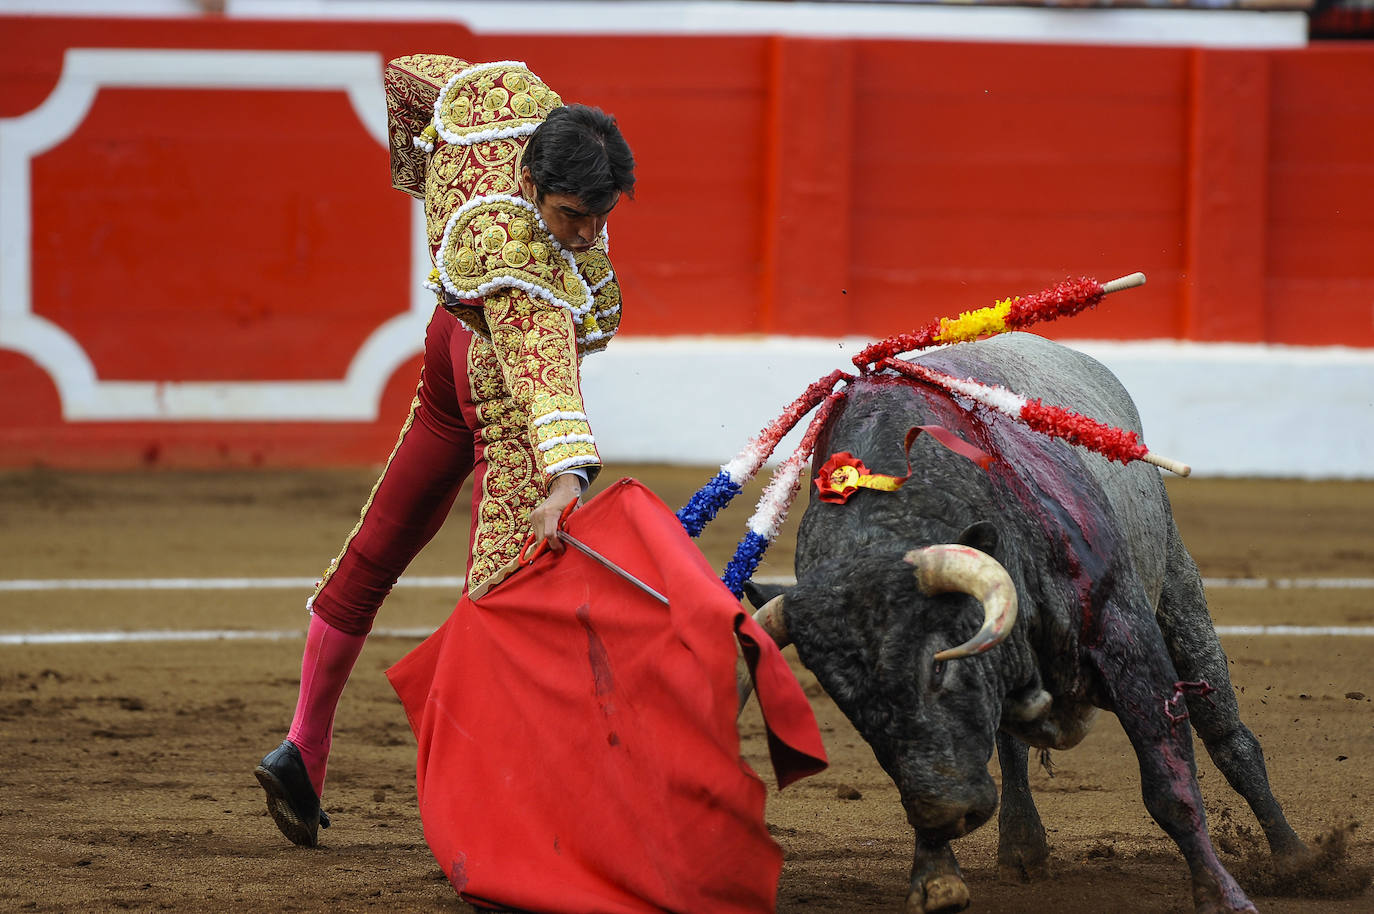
[
  {"x": 499, "y": 242},
  {"x": 492, "y": 101}
]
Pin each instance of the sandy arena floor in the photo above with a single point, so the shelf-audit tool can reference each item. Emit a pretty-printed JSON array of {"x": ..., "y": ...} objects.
[{"x": 126, "y": 769}]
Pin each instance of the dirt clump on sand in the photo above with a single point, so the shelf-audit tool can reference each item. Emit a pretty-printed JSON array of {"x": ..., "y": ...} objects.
[{"x": 1326, "y": 872}]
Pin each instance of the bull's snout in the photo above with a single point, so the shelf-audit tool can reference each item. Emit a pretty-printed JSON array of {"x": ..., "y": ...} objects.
[{"x": 951, "y": 812}]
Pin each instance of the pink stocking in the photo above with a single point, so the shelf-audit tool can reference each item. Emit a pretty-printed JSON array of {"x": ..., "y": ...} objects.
[{"x": 328, "y": 659}]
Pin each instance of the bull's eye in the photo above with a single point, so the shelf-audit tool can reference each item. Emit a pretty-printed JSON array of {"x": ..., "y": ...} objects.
[{"x": 937, "y": 675}]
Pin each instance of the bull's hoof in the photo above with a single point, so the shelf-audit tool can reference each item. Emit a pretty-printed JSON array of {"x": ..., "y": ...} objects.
[
  {"x": 1023, "y": 854},
  {"x": 1215, "y": 906},
  {"x": 938, "y": 894},
  {"x": 1027, "y": 861},
  {"x": 1220, "y": 895},
  {"x": 1022, "y": 871}
]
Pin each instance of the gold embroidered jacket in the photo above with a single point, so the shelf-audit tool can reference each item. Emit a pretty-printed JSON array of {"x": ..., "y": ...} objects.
[{"x": 457, "y": 131}]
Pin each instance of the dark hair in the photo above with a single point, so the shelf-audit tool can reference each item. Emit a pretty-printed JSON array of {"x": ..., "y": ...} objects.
[{"x": 579, "y": 151}]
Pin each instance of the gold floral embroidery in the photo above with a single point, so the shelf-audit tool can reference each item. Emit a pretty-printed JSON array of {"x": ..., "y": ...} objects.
[
  {"x": 510, "y": 485},
  {"x": 453, "y": 174},
  {"x": 537, "y": 350},
  {"x": 498, "y": 154},
  {"x": 607, "y": 308},
  {"x": 595, "y": 328},
  {"x": 412, "y": 84},
  {"x": 494, "y": 99},
  {"x": 524, "y": 105},
  {"x": 525, "y": 353},
  {"x": 480, "y": 255},
  {"x": 594, "y": 266}
]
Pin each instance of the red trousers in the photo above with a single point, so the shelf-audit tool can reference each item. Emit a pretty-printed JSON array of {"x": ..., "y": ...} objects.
[{"x": 434, "y": 455}]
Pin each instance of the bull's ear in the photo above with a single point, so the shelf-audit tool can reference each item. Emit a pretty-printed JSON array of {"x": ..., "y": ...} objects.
[
  {"x": 759, "y": 594},
  {"x": 983, "y": 537}
]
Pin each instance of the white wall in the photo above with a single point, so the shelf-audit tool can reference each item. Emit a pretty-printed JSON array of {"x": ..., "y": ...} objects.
[{"x": 1226, "y": 410}]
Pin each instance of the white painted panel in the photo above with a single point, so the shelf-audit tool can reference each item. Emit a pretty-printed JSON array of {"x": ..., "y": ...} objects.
[{"x": 1225, "y": 409}]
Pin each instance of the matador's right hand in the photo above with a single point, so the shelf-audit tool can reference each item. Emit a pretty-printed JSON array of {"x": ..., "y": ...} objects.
[{"x": 544, "y": 519}]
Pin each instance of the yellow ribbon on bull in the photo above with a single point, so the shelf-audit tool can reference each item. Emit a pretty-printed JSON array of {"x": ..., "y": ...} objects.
[{"x": 844, "y": 474}]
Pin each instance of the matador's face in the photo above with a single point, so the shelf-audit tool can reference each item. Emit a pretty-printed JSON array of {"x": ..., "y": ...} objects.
[{"x": 571, "y": 224}]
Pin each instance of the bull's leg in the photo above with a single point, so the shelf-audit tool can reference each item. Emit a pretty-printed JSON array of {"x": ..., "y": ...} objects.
[
  {"x": 936, "y": 883},
  {"x": 1197, "y": 654},
  {"x": 1137, "y": 679},
  {"x": 1022, "y": 852}
]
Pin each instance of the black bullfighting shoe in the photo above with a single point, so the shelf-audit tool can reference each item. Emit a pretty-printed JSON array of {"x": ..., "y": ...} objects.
[{"x": 290, "y": 798}]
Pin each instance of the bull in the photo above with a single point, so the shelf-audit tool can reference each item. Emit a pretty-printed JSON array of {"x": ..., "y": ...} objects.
[{"x": 1002, "y": 606}]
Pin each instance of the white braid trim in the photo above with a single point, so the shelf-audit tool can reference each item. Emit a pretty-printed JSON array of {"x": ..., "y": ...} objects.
[
  {"x": 496, "y": 133},
  {"x": 557, "y": 415},
  {"x": 746, "y": 463},
  {"x": 458, "y": 77},
  {"x": 572, "y": 265},
  {"x": 510, "y": 281},
  {"x": 422, "y": 143},
  {"x": 777, "y": 498},
  {"x": 556, "y": 468},
  {"x": 565, "y": 439},
  {"x": 999, "y": 398}
]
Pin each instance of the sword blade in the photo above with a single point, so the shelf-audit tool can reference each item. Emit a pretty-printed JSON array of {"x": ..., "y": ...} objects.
[{"x": 612, "y": 566}]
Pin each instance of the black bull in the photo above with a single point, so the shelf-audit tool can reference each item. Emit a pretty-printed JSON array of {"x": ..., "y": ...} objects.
[{"x": 1111, "y": 615}]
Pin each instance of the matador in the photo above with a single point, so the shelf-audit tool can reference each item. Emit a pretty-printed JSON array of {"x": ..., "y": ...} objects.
[{"x": 516, "y": 189}]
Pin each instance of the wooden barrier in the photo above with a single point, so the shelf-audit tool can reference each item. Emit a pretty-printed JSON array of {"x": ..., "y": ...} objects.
[{"x": 200, "y": 266}]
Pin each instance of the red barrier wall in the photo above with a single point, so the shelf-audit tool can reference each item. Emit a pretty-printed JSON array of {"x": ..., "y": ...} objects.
[{"x": 787, "y": 186}]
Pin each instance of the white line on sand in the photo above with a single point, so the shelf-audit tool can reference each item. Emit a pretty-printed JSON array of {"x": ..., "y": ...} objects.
[
  {"x": 21, "y": 585},
  {"x": 37, "y": 584},
  {"x": 166, "y": 634},
  {"x": 123, "y": 637},
  {"x": 455, "y": 584}
]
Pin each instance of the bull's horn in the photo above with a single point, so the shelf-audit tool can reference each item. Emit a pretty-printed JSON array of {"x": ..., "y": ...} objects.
[
  {"x": 770, "y": 618},
  {"x": 951, "y": 568}
]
